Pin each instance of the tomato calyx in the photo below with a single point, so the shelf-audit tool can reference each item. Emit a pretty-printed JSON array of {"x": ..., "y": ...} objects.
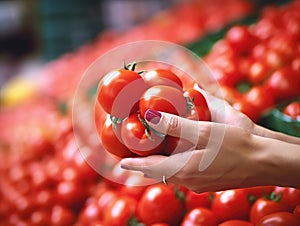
[
  {"x": 190, "y": 102},
  {"x": 131, "y": 67},
  {"x": 148, "y": 129},
  {"x": 114, "y": 120},
  {"x": 133, "y": 221}
]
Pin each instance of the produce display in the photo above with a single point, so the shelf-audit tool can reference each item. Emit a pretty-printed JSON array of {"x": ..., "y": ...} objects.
[
  {"x": 257, "y": 65},
  {"x": 46, "y": 181}
]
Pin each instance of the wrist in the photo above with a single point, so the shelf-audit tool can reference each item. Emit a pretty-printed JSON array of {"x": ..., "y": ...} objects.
[{"x": 277, "y": 163}]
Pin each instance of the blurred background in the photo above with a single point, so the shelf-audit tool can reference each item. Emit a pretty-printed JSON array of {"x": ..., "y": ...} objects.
[{"x": 35, "y": 31}]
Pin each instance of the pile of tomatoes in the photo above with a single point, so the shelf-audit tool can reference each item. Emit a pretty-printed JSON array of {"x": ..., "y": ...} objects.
[
  {"x": 258, "y": 66},
  {"x": 171, "y": 205},
  {"x": 125, "y": 95}
]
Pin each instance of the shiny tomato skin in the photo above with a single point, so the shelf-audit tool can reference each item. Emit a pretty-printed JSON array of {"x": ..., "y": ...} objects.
[
  {"x": 279, "y": 219},
  {"x": 112, "y": 141},
  {"x": 120, "y": 211},
  {"x": 293, "y": 110},
  {"x": 119, "y": 87},
  {"x": 284, "y": 83},
  {"x": 290, "y": 197},
  {"x": 163, "y": 98},
  {"x": 260, "y": 98},
  {"x": 162, "y": 76},
  {"x": 240, "y": 39},
  {"x": 236, "y": 223},
  {"x": 198, "y": 107},
  {"x": 296, "y": 211},
  {"x": 200, "y": 216},
  {"x": 194, "y": 200},
  {"x": 231, "y": 204},
  {"x": 175, "y": 145},
  {"x": 159, "y": 203},
  {"x": 135, "y": 138},
  {"x": 262, "y": 207}
]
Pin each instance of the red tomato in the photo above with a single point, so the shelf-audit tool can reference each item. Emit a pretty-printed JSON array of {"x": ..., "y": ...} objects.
[
  {"x": 260, "y": 98},
  {"x": 236, "y": 223},
  {"x": 120, "y": 211},
  {"x": 293, "y": 110},
  {"x": 61, "y": 216},
  {"x": 139, "y": 139},
  {"x": 112, "y": 141},
  {"x": 200, "y": 216},
  {"x": 194, "y": 200},
  {"x": 119, "y": 87},
  {"x": 258, "y": 72},
  {"x": 247, "y": 108},
  {"x": 288, "y": 196},
  {"x": 176, "y": 145},
  {"x": 163, "y": 98},
  {"x": 240, "y": 38},
  {"x": 259, "y": 191},
  {"x": 279, "y": 219},
  {"x": 231, "y": 204},
  {"x": 163, "y": 77},
  {"x": 284, "y": 83},
  {"x": 159, "y": 203},
  {"x": 262, "y": 207},
  {"x": 296, "y": 211},
  {"x": 40, "y": 218},
  {"x": 197, "y": 105},
  {"x": 230, "y": 94}
]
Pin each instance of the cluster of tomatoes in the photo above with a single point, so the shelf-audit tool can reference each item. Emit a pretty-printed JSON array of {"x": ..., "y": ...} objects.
[
  {"x": 258, "y": 66},
  {"x": 44, "y": 179},
  {"x": 125, "y": 95},
  {"x": 171, "y": 205}
]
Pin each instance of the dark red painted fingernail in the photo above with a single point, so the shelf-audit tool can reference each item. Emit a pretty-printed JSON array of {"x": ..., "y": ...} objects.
[{"x": 152, "y": 116}]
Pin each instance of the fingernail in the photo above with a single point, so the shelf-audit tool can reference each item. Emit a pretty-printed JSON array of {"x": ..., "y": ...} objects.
[{"x": 152, "y": 116}]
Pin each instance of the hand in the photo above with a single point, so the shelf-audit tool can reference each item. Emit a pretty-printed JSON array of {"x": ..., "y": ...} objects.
[{"x": 227, "y": 153}]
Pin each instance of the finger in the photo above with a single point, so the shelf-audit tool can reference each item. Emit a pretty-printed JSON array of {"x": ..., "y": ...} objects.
[
  {"x": 196, "y": 132},
  {"x": 156, "y": 166}
]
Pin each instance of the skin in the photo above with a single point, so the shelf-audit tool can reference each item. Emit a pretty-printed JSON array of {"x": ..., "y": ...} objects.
[{"x": 229, "y": 152}]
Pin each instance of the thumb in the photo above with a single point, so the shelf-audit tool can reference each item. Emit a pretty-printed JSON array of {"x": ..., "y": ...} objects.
[{"x": 176, "y": 126}]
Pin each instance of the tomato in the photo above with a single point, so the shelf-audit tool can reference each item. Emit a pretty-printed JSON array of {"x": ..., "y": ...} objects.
[
  {"x": 61, "y": 216},
  {"x": 139, "y": 139},
  {"x": 258, "y": 72},
  {"x": 284, "y": 83},
  {"x": 120, "y": 211},
  {"x": 226, "y": 71},
  {"x": 40, "y": 218},
  {"x": 288, "y": 196},
  {"x": 197, "y": 105},
  {"x": 176, "y": 145},
  {"x": 293, "y": 110},
  {"x": 260, "y": 98},
  {"x": 231, "y": 204},
  {"x": 163, "y": 98},
  {"x": 259, "y": 191},
  {"x": 119, "y": 87},
  {"x": 162, "y": 76},
  {"x": 279, "y": 219},
  {"x": 200, "y": 216},
  {"x": 296, "y": 211},
  {"x": 159, "y": 203},
  {"x": 241, "y": 39},
  {"x": 236, "y": 223},
  {"x": 255, "y": 102},
  {"x": 112, "y": 141},
  {"x": 262, "y": 207},
  {"x": 230, "y": 94},
  {"x": 193, "y": 200}
]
